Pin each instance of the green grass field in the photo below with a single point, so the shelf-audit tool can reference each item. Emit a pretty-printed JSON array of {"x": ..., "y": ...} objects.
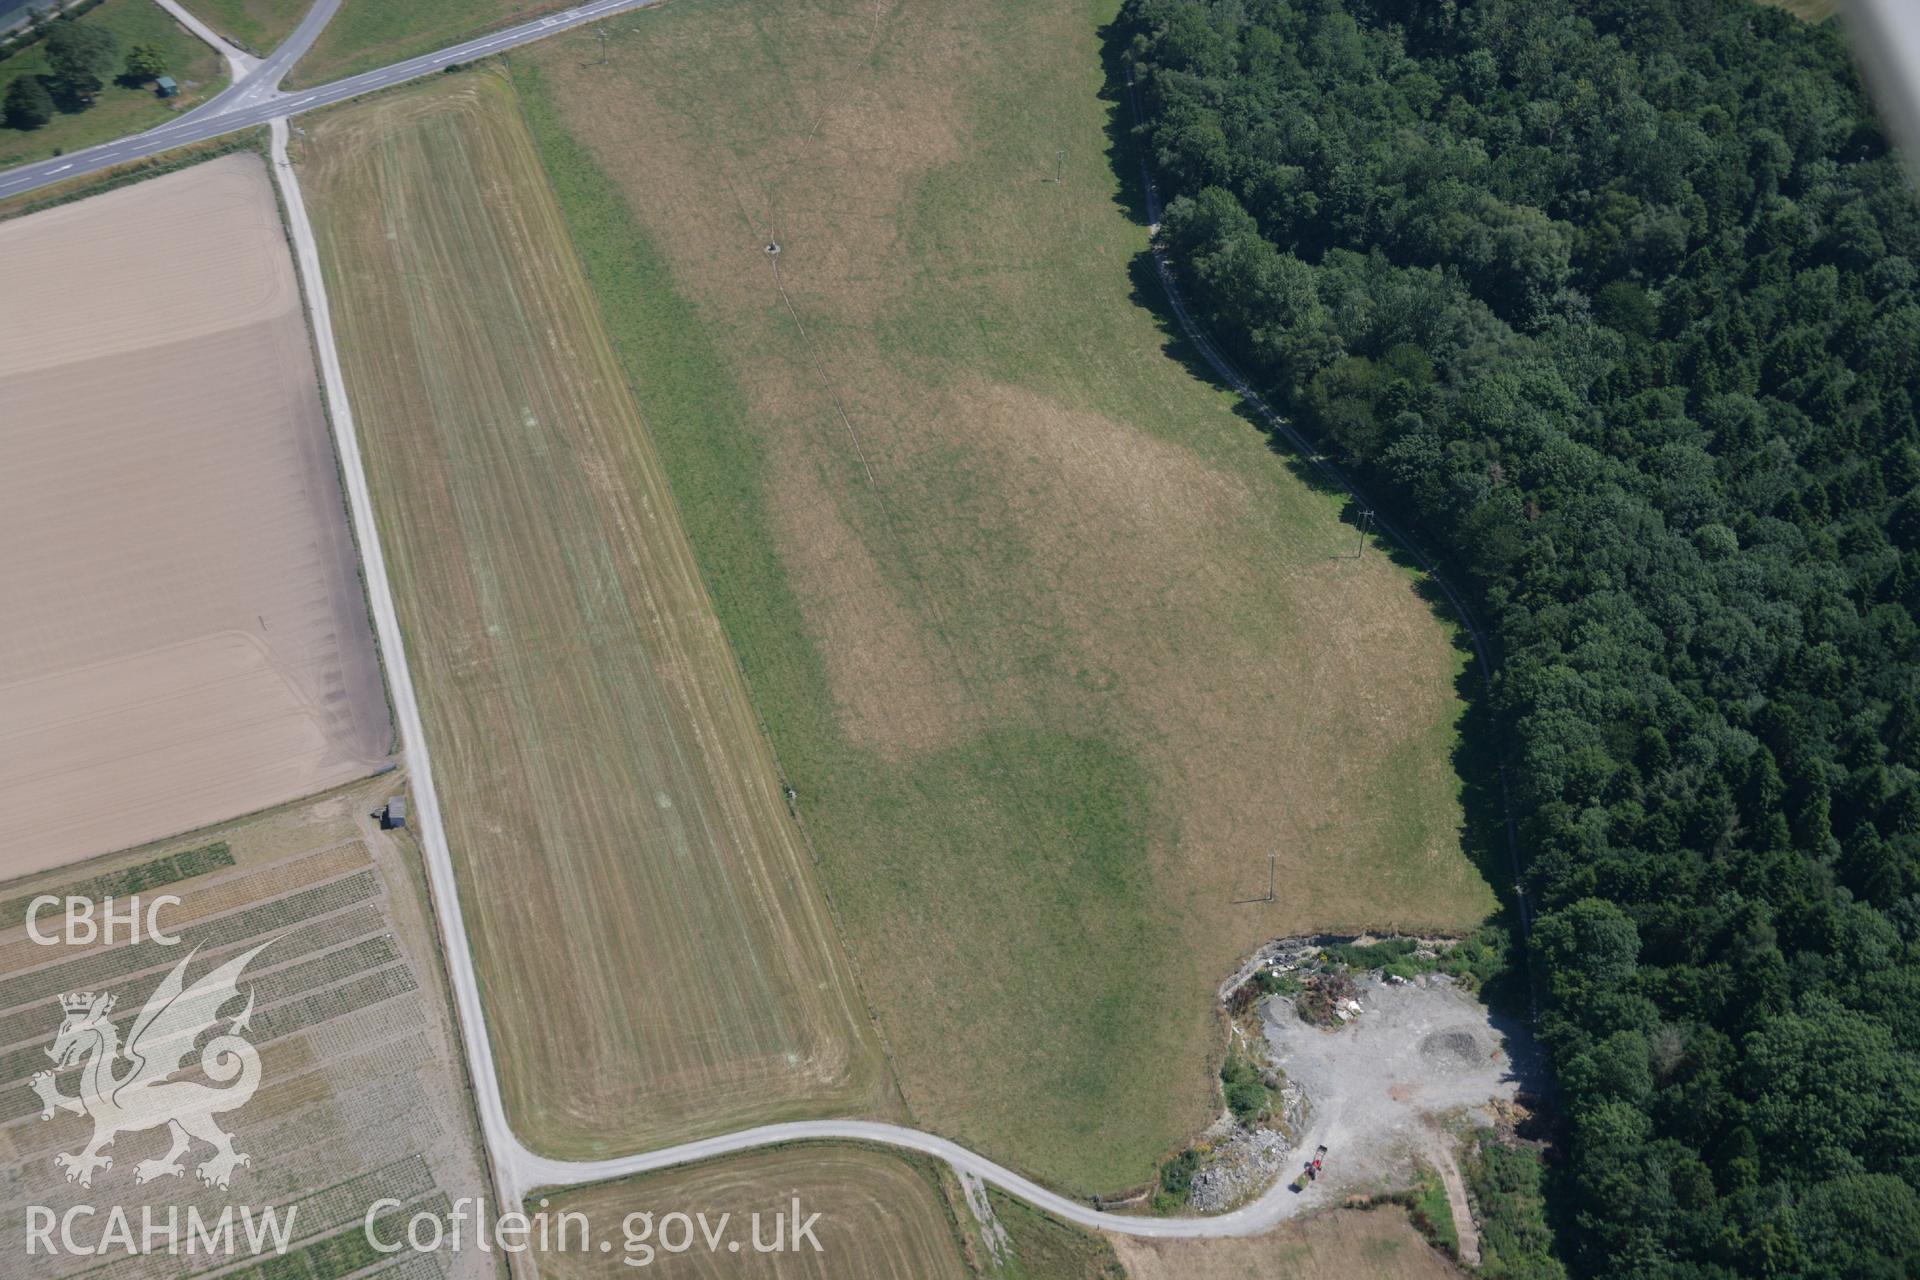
[
  {"x": 366, "y": 34},
  {"x": 255, "y": 25},
  {"x": 1056, "y": 651},
  {"x": 657, "y": 958},
  {"x": 117, "y": 109}
]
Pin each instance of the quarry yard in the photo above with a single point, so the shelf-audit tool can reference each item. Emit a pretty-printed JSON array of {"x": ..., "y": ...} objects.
[
  {"x": 186, "y": 639},
  {"x": 1385, "y": 1089}
]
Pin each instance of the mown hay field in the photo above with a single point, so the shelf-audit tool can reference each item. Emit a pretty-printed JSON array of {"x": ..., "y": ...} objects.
[
  {"x": 362, "y": 1096},
  {"x": 1056, "y": 651},
  {"x": 880, "y": 1216},
  {"x": 185, "y": 639},
  {"x": 657, "y": 959}
]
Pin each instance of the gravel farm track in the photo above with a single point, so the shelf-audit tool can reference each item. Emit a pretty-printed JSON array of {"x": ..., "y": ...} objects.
[{"x": 518, "y": 1170}]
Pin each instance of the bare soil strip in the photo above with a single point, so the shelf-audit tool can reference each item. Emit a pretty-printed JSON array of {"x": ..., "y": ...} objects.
[{"x": 190, "y": 642}]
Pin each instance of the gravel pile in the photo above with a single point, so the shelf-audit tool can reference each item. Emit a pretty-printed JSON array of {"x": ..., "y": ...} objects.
[{"x": 1241, "y": 1168}]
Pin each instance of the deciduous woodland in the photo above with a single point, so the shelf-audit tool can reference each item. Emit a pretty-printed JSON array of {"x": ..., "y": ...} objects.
[{"x": 1615, "y": 302}]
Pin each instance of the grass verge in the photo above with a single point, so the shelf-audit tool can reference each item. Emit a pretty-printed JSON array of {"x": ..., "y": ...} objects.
[
  {"x": 1432, "y": 1214},
  {"x": 255, "y": 25},
  {"x": 120, "y": 175},
  {"x": 1045, "y": 1248}
]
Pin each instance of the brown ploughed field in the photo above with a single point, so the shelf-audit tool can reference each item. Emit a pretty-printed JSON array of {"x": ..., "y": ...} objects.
[{"x": 185, "y": 638}]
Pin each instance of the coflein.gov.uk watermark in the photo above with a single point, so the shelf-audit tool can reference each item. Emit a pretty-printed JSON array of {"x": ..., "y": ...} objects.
[{"x": 642, "y": 1237}]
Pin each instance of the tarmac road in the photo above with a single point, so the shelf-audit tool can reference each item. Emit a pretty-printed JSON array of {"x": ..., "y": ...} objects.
[
  {"x": 1255, "y": 1218},
  {"x": 257, "y": 99}
]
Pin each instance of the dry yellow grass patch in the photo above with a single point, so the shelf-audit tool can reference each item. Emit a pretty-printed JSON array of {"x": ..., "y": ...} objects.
[{"x": 895, "y": 683}]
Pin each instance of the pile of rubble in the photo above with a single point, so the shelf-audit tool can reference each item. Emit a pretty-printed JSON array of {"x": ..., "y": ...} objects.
[
  {"x": 1241, "y": 1168},
  {"x": 1290, "y": 1108},
  {"x": 1329, "y": 999},
  {"x": 1282, "y": 955}
]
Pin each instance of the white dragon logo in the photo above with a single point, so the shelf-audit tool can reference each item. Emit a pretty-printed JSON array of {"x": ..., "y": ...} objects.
[{"x": 146, "y": 1096}]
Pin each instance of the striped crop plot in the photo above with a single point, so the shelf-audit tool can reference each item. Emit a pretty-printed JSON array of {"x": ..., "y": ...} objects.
[
  {"x": 361, "y": 1096},
  {"x": 656, "y": 959}
]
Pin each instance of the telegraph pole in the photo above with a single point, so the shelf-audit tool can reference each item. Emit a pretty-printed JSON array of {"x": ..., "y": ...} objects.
[{"x": 1365, "y": 523}]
